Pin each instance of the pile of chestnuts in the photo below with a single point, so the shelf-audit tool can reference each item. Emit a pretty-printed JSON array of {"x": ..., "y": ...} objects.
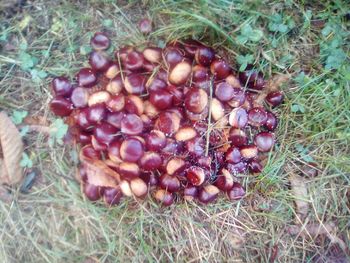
[{"x": 173, "y": 123}]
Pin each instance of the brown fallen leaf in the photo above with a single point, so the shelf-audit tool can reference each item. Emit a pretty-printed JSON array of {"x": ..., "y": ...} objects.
[
  {"x": 274, "y": 84},
  {"x": 12, "y": 150},
  {"x": 98, "y": 173},
  {"x": 299, "y": 190}
]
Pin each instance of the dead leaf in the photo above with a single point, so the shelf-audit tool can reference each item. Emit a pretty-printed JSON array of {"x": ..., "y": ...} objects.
[
  {"x": 37, "y": 124},
  {"x": 300, "y": 195},
  {"x": 98, "y": 173},
  {"x": 274, "y": 84},
  {"x": 12, "y": 150}
]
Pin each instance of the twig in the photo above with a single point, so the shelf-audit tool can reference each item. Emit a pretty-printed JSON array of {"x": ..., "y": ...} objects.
[{"x": 209, "y": 117}]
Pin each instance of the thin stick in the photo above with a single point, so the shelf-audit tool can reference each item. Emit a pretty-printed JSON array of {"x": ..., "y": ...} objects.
[{"x": 209, "y": 118}]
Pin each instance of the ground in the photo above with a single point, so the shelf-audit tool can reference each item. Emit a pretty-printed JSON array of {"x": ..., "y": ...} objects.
[{"x": 308, "y": 41}]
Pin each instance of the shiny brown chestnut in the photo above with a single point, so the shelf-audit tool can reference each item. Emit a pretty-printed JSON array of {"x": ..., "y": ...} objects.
[
  {"x": 237, "y": 192},
  {"x": 138, "y": 187},
  {"x": 150, "y": 161},
  {"x": 204, "y": 55},
  {"x": 161, "y": 99},
  {"x": 86, "y": 77},
  {"x": 92, "y": 192},
  {"x": 135, "y": 84},
  {"x": 190, "y": 193},
  {"x": 99, "y": 61},
  {"x": 180, "y": 73},
  {"x": 169, "y": 183},
  {"x": 208, "y": 193},
  {"x": 274, "y": 98},
  {"x": 62, "y": 86},
  {"x": 164, "y": 197},
  {"x": 131, "y": 150},
  {"x": 225, "y": 180},
  {"x": 220, "y": 69},
  {"x": 105, "y": 132},
  {"x": 155, "y": 140},
  {"x": 100, "y": 41},
  {"x": 257, "y": 116},
  {"x": 131, "y": 124},
  {"x": 61, "y": 106},
  {"x": 196, "y": 100},
  {"x": 264, "y": 141},
  {"x": 112, "y": 196},
  {"x": 224, "y": 91}
]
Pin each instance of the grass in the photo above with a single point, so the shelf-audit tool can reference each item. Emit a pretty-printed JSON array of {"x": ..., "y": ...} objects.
[{"x": 309, "y": 41}]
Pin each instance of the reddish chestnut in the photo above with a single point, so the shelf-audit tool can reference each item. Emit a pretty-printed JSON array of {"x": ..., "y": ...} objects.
[
  {"x": 99, "y": 97},
  {"x": 138, "y": 187},
  {"x": 134, "y": 61},
  {"x": 224, "y": 91},
  {"x": 114, "y": 151},
  {"x": 161, "y": 99},
  {"x": 271, "y": 122},
  {"x": 190, "y": 193},
  {"x": 274, "y": 98},
  {"x": 185, "y": 133},
  {"x": 169, "y": 183},
  {"x": 264, "y": 141},
  {"x": 237, "y": 192},
  {"x": 61, "y": 106},
  {"x": 150, "y": 161},
  {"x": 204, "y": 55},
  {"x": 257, "y": 116},
  {"x": 168, "y": 122},
  {"x": 86, "y": 77},
  {"x": 105, "y": 132},
  {"x": 131, "y": 124},
  {"x": 175, "y": 166},
  {"x": 135, "y": 84},
  {"x": 92, "y": 192},
  {"x": 89, "y": 152},
  {"x": 208, "y": 193},
  {"x": 155, "y": 140},
  {"x": 195, "y": 175},
  {"x": 220, "y": 69},
  {"x": 225, "y": 180},
  {"x": 152, "y": 54},
  {"x": 112, "y": 70},
  {"x": 112, "y": 196},
  {"x": 255, "y": 166},
  {"x": 249, "y": 151},
  {"x": 233, "y": 155},
  {"x": 238, "y": 137},
  {"x": 99, "y": 61},
  {"x": 100, "y": 41},
  {"x": 196, "y": 100},
  {"x": 96, "y": 113},
  {"x": 115, "y": 118},
  {"x": 134, "y": 104},
  {"x": 62, "y": 86},
  {"x": 238, "y": 118},
  {"x": 164, "y": 197},
  {"x": 195, "y": 147},
  {"x": 131, "y": 150},
  {"x": 116, "y": 103},
  {"x": 180, "y": 73},
  {"x": 173, "y": 56},
  {"x": 115, "y": 86},
  {"x": 237, "y": 168},
  {"x": 128, "y": 170},
  {"x": 80, "y": 97}
]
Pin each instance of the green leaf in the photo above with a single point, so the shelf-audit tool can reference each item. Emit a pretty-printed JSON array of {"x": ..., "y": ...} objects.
[
  {"x": 38, "y": 75},
  {"x": 27, "y": 61},
  {"x": 24, "y": 130},
  {"x": 297, "y": 108},
  {"x": 107, "y": 22},
  {"x": 26, "y": 161},
  {"x": 18, "y": 116},
  {"x": 256, "y": 35},
  {"x": 242, "y": 39},
  {"x": 58, "y": 130}
]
